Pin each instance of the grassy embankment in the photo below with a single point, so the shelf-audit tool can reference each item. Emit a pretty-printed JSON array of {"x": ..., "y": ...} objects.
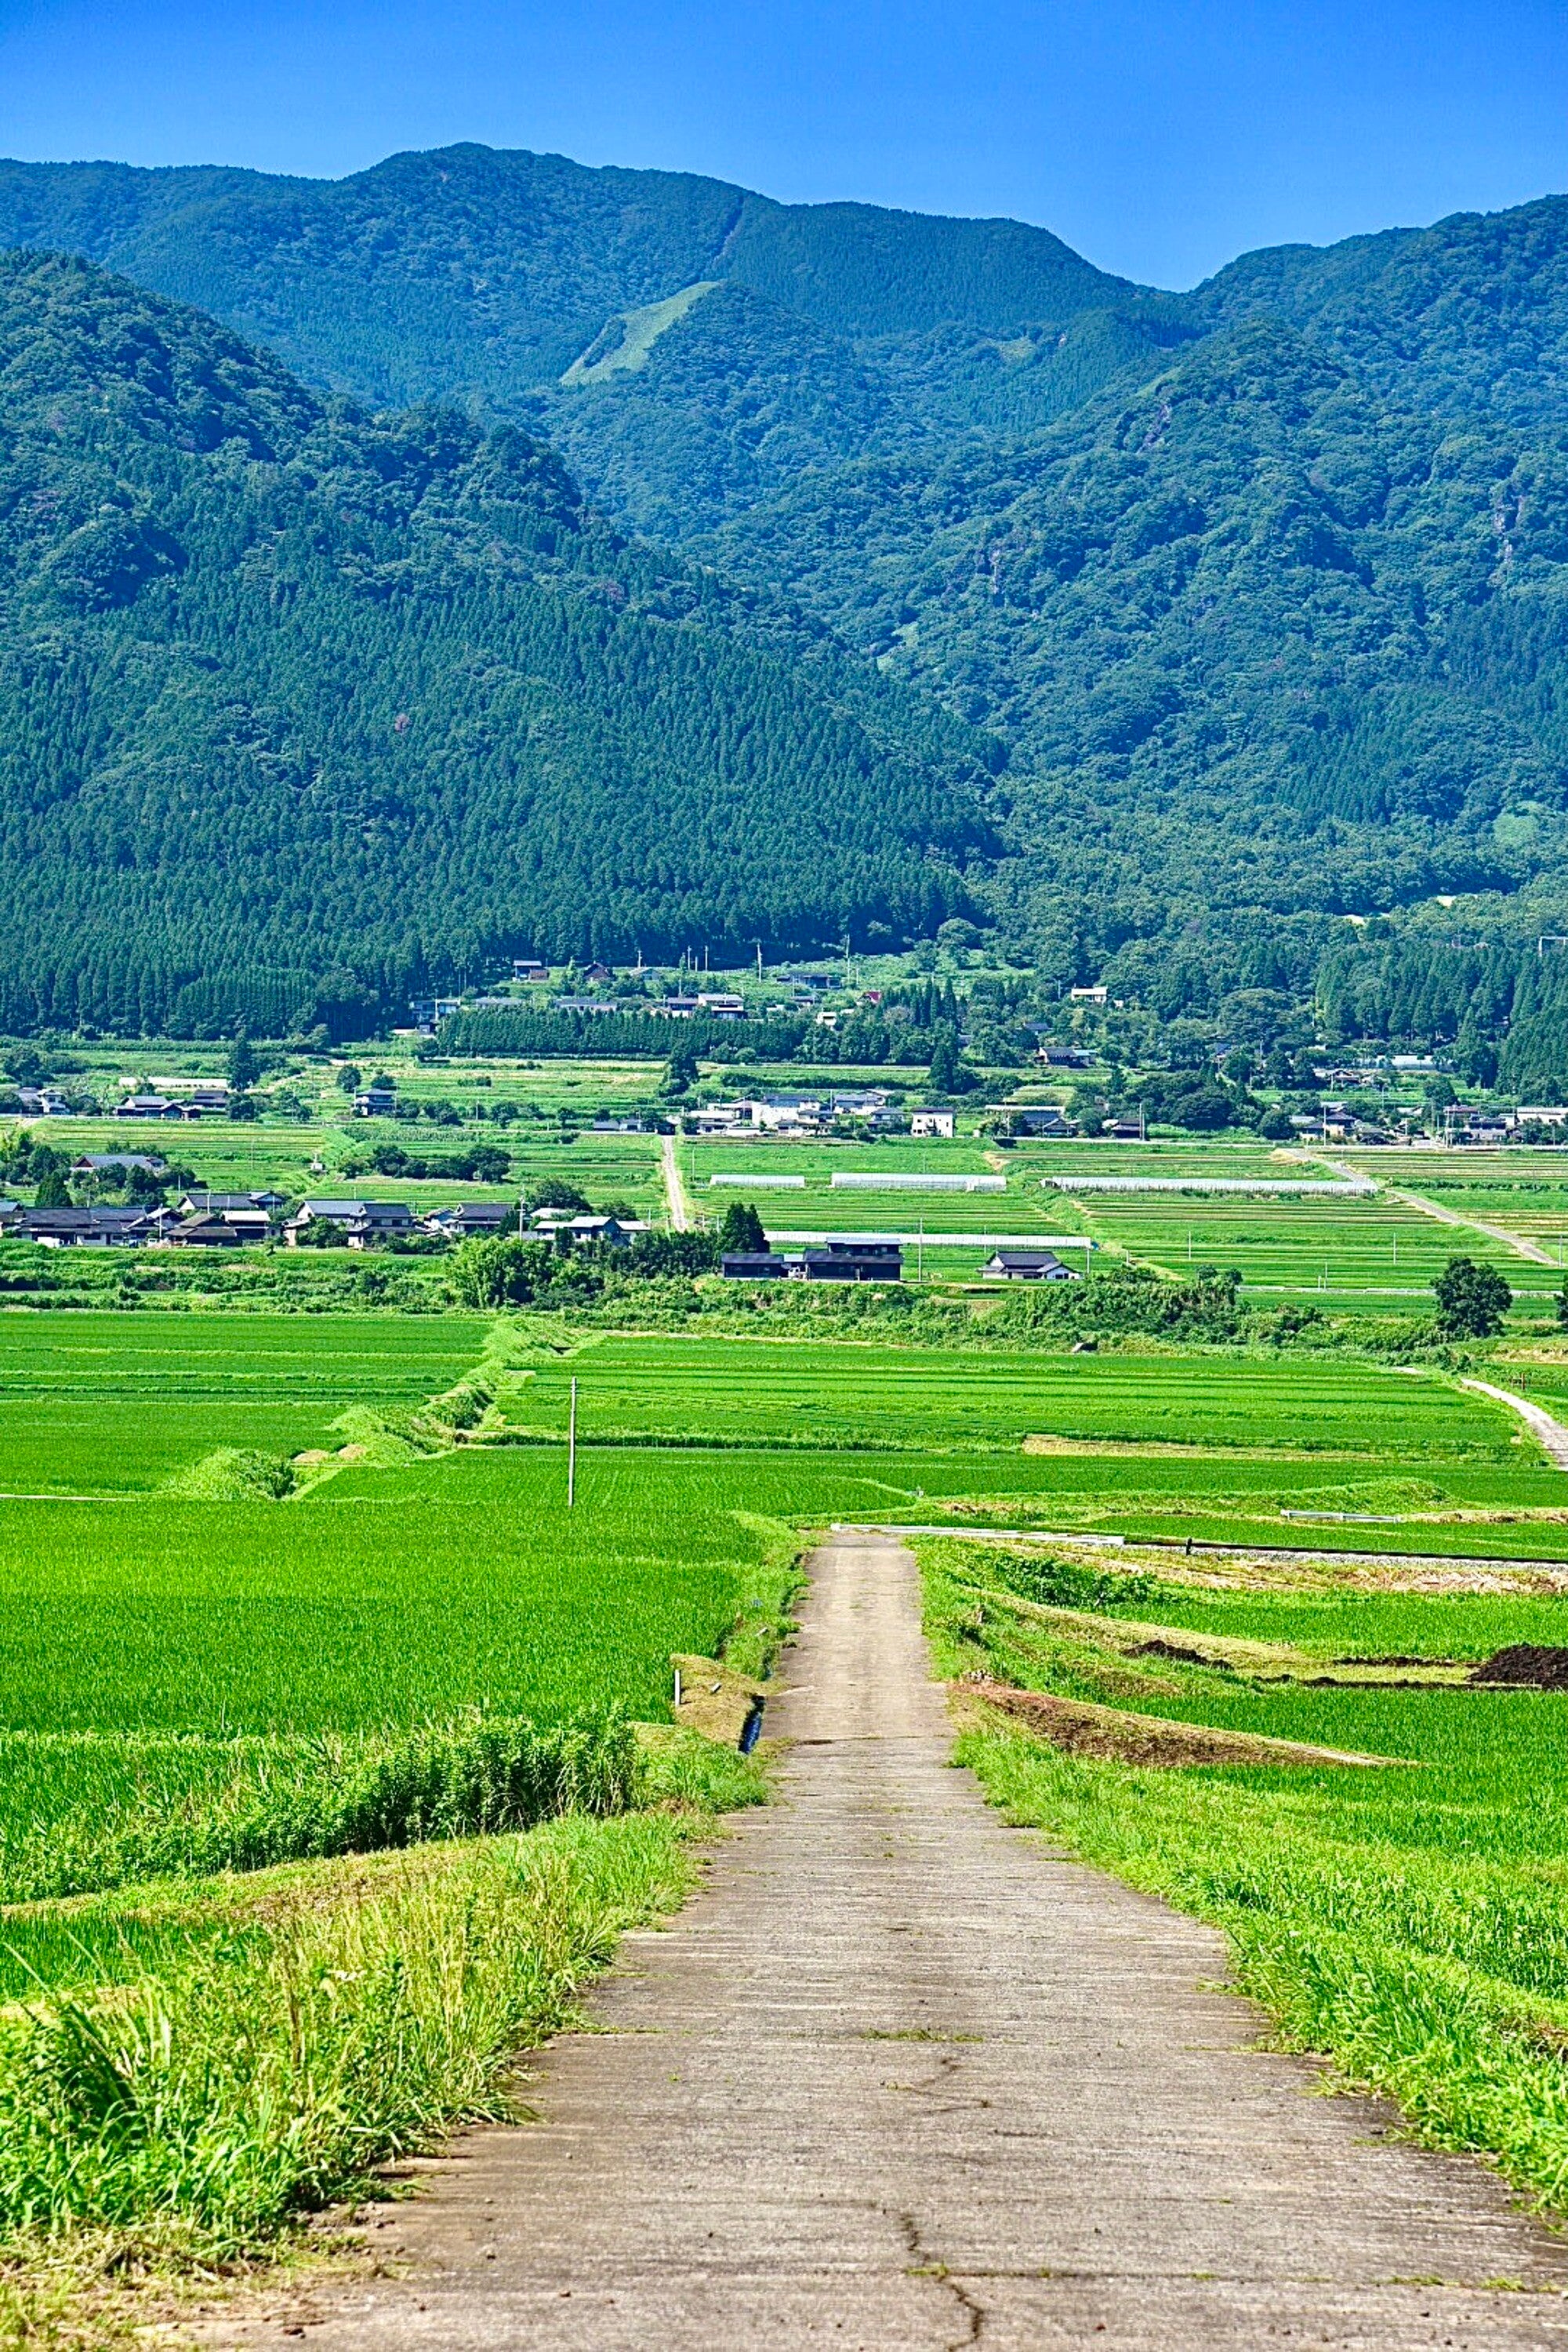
[
  {"x": 1409, "y": 1921},
  {"x": 253, "y": 1945}
]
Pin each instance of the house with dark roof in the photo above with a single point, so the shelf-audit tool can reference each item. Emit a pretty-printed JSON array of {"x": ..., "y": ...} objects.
[
  {"x": 204, "y": 1232},
  {"x": 157, "y": 1106},
  {"x": 118, "y": 1163},
  {"x": 363, "y": 1224},
  {"x": 472, "y": 1220},
  {"x": 84, "y": 1228},
  {"x": 838, "y": 1261},
  {"x": 1027, "y": 1266}
]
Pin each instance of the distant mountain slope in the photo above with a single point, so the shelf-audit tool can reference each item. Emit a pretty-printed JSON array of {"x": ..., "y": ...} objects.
[
  {"x": 1468, "y": 319},
  {"x": 1263, "y": 587},
  {"x": 1257, "y": 640},
  {"x": 296, "y": 708},
  {"x": 475, "y": 271}
]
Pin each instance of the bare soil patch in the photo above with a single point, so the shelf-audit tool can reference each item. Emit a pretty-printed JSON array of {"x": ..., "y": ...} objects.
[
  {"x": 1526, "y": 1665},
  {"x": 1082, "y": 1728}
]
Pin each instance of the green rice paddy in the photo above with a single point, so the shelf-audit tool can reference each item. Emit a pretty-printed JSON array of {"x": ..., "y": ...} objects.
[
  {"x": 810, "y": 1392},
  {"x": 103, "y": 1403}
]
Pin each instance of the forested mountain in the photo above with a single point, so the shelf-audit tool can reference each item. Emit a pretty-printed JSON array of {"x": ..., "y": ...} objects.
[
  {"x": 300, "y": 709},
  {"x": 1261, "y": 591}
]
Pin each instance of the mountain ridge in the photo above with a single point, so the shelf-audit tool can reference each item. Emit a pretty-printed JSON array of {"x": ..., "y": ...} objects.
[
  {"x": 1262, "y": 587},
  {"x": 361, "y": 703}
]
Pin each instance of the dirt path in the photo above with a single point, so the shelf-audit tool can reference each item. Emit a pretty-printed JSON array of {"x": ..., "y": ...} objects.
[
  {"x": 677, "y": 1198},
  {"x": 1547, "y": 1427},
  {"x": 1518, "y": 1243},
  {"x": 903, "y": 2079}
]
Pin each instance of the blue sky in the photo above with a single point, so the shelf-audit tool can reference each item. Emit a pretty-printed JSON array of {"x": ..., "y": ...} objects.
[{"x": 1160, "y": 138}]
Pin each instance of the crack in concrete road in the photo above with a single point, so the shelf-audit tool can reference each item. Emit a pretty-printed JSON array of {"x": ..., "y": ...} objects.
[{"x": 1091, "y": 2147}]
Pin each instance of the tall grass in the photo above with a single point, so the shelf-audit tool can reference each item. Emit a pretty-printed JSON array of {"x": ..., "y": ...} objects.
[
  {"x": 292, "y": 1800},
  {"x": 1413, "y": 1924},
  {"x": 1440, "y": 1982},
  {"x": 195, "y": 2113}
]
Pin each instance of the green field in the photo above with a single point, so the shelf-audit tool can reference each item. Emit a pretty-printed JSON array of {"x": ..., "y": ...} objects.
[
  {"x": 98, "y": 1404},
  {"x": 1363, "y": 1252},
  {"x": 1409, "y": 1922},
  {"x": 296, "y": 1159},
  {"x": 221, "y": 1722},
  {"x": 1022, "y": 1208},
  {"x": 832, "y": 1395}
]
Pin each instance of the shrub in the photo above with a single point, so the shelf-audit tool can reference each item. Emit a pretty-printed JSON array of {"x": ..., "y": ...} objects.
[{"x": 1069, "y": 1583}]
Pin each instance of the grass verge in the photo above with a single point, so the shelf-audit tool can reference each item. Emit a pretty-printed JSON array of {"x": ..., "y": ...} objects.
[
  {"x": 314, "y": 2024},
  {"x": 1412, "y": 1925}
]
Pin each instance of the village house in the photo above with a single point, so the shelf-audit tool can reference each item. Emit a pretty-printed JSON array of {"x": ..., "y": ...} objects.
[
  {"x": 249, "y": 1213},
  {"x": 157, "y": 1106},
  {"x": 378, "y": 1101},
  {"x": 362, "y": 1223},
  {"x": 114, "y": 1165},
  {"x": 85, "y": 1228},
  {"x": 473, "y": 1220},
  {"x": 1027, "y": 1266},
  {"x": 206, "y": 1231},
  {"x": 1036, "y": 1118},
  {"x": 429, "y": 1011},
  {"x": 931, "y": 1122},
  {"x": 566, "y": 1231}
]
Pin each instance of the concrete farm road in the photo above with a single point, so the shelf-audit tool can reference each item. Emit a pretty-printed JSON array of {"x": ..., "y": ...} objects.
[{"x": 903, "y": 2079}]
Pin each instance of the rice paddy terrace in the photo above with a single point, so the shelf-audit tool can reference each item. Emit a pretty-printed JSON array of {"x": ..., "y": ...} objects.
[{"x": 306, "y": 1644}]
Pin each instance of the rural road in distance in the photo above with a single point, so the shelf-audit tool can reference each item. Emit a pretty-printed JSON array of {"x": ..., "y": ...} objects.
[{"x": 901, "y": 2078}]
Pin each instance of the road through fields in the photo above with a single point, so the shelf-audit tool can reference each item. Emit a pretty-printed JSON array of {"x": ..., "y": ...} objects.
[{"x": 903, "y": 2078}]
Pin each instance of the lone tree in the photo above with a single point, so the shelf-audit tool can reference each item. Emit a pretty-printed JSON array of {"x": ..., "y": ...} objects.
[
  {"x": 949, "y": 1074},
  {"x": 682, "y": 1074},
  {"x": 1472, "y": 1299},
  {"x": 244, "y": 1068},
  {"x": 742, "y": 1228}
]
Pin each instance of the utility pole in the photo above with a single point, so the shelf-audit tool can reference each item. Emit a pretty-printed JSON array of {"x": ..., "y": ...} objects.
[{"x": 572, "y": 1453}]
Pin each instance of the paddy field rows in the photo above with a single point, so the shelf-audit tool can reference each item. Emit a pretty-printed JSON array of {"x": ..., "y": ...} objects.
[{"x": 190, "y": 1689}]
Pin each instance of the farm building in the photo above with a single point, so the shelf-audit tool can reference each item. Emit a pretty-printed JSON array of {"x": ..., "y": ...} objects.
[
  {"x": 472, "y": 1218},
  {"x": 1027, "y": 1266},
  {"x": 839, "y": 1261},
  {"x": 754, "y": 1265},
  {"x": 362, "y": 1223}
]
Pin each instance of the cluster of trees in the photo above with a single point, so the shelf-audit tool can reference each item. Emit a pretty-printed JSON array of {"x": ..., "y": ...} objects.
[
  {"x": 1197, "y": 606},
  {"x": 477, "y": 1163},
  {"x": 302, "y": 711},
  {"x": 1500, "y": 1004}
]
